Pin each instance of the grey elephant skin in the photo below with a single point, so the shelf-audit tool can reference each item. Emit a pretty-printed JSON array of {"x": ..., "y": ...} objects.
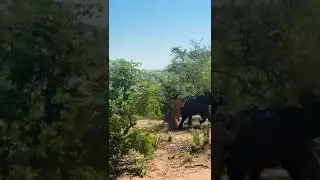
[{"x": 196, "y": 105}]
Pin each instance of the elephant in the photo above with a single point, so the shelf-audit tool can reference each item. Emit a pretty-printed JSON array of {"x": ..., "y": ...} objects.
[
  {"x": 197, "y": 105},
  {"x": 276, "y": 137}
]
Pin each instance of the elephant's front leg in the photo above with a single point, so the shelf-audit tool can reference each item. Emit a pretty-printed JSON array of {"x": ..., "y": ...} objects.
[
  {"x": 184, "y": 117},
  {"x": 190, "y": 121},
  {"x": 203, "y": 119}
]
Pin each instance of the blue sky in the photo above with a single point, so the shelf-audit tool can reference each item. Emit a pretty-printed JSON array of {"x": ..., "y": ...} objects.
[{"x": 146, "y": 30}]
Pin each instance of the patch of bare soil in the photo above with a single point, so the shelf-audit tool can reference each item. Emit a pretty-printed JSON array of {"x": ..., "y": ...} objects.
[{"x": 171, "y": 162}]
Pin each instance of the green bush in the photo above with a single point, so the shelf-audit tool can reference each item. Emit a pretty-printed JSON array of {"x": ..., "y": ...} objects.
[
  {"x": 143, "y": 142},
  {"x": 200, "y": 140},
  {"x": 131, "y": 98},
  {"x": 120, "y": 123},
  {"x": 147, "y": 100},
  {"x": 140, "y": 163}
]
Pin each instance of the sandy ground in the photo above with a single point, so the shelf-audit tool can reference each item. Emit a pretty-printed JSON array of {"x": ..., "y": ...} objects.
[{"x": 170, "y": 163}]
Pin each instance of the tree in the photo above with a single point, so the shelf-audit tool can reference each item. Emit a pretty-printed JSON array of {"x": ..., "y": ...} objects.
[
  {"x": 189, "y": 73},
  {"x": 54, "y": 72}
]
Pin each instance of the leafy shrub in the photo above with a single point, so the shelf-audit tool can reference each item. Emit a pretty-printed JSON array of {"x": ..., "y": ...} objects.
[
  {"x": 200, "y": 140},
  {"x": 143, "y": 142},
  {"x": 131, "y": 98},
  {"x": 147, "y": 100},
  {"x": 120, "y": 123},
  {"x": 140, "y": 163},
  {"x": 187, "y": 156}
]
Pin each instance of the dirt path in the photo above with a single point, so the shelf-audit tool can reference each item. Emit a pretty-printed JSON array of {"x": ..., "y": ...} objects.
[{"x": 171, "y": 162}]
